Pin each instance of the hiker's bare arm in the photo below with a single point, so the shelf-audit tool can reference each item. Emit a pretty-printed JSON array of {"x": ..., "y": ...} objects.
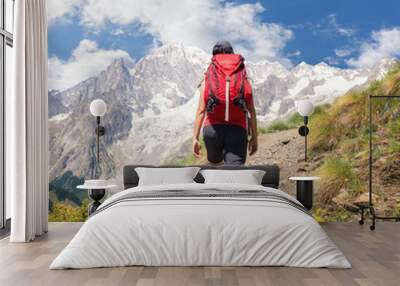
[
  {"x": 200, "y": 114},
  {"x": 198, "y": 122},
  {"x": 253, "y": 144}
]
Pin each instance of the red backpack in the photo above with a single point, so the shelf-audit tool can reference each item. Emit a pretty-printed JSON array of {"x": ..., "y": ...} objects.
[{"x": 225, "y": 88}]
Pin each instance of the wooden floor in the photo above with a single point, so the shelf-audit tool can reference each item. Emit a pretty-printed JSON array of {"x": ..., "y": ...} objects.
[{"x": 375, "y": 257}]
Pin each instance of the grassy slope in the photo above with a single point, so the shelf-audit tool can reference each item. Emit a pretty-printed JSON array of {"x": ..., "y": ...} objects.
[{"x": 339, "y": 135}]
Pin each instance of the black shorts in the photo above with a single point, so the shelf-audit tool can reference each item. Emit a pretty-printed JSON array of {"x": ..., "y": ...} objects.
[{"x": 225, "y": 142}]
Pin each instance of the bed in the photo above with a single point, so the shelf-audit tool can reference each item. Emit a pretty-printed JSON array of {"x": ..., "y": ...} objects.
[{"x": 198, "y": 224}]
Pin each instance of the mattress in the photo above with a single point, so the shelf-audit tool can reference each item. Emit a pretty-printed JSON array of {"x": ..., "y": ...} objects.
[{"x": 201, "y": 225}]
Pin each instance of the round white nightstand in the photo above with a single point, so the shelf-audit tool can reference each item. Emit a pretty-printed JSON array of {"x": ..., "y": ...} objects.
[
  {"x": 305, "y": 190},
  {"x": 96, "y": 191}
]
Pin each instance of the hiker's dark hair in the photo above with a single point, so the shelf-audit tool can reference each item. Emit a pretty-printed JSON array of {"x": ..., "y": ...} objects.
[{"x": 222, "y": 47}]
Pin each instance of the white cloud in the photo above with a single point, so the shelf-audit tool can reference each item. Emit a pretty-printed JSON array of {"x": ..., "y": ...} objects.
[
  {"x": 342, "y": 52},
  {"x": 328, "y": 26},
  {"x": 347, "y": 32},
  {"x": 296, "y": 53},
  {"x": 384, "y": 43},
  {"x": 195, "y": 23},
  {"x": 332, "y": 61},
  {"x": 117, "y": 32},
  {"x": 62, "y": 9},
  {"x": 86, "y": 61}
]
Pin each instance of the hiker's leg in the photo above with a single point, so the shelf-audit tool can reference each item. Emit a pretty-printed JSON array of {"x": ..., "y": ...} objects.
[
  {"x": 214, "y": 144},
  {"x": 235, "y": 145}
]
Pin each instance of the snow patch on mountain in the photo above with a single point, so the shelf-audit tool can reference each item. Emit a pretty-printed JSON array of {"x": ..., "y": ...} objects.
[{"x": 60, "y": 117}]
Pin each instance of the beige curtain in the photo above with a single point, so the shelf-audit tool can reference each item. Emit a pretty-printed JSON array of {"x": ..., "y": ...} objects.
[{"x": 27, "y": 149}]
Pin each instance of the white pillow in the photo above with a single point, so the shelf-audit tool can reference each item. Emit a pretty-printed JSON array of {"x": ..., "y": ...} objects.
[
  {"x": 248, "y": 177},
  {"x": 166, "y": 176}
]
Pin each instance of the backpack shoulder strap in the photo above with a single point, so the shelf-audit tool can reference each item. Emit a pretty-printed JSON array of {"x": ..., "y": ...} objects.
[
  {"x": 212, "y": 87},
  {"x": 214, "y": 78},
  {"x": 240, "y": 98},
  {"x": 243, "y": 75}
]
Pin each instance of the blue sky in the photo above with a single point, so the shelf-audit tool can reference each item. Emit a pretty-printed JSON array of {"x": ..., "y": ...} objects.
[
  {"x": 316, "y": 37},
  {"x": 344, "y": 33}
]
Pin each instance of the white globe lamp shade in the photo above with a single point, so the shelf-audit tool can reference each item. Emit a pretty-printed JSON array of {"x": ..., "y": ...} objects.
[
  {"x": 304, "y": 107},
  {"x": 98, "y": 107}
]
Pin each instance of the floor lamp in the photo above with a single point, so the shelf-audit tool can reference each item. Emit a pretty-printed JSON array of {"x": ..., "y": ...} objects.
[
  {"x": 97, "y": 108},
  {"x": 304, "y": 108}
]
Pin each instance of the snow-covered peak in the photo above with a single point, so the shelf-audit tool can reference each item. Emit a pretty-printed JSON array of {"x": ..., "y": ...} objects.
[
  {"x": 259, "y": 72},
  {"x": 197, "y": 56},
  {"x": 175, "y": 52},
  {"x": 302, "y": 69},
  {"x": 174, "y": 49},
  {"x": 382, "y": 67}
]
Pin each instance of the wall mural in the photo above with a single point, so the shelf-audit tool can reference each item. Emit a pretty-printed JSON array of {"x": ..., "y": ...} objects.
[{"x": 147, "y": 72}]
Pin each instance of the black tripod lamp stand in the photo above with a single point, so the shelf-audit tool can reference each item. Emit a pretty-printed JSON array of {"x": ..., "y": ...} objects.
[{"x": 304, "y": 108}]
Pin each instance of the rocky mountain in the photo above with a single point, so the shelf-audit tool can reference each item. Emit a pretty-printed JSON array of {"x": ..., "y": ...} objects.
[
  {"x": 151, "y": 106},
  {"x": 55, "y": 104},
  {"x": 276, "y": 88}
]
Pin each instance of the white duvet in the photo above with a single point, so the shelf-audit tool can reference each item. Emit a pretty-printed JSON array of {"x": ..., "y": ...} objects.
[{"x": 200, "y": 231}]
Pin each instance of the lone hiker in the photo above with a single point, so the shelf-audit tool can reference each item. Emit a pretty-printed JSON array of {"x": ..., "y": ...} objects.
[{"x": 226, "y": 109}]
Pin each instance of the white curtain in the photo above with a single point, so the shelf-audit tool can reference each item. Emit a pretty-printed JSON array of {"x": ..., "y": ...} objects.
[{"x": 27, "y": 148}]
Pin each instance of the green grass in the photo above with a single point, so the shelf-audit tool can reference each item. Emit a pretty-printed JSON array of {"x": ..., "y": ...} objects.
[
  {"x": 277, "y": 126},
  {"x": 396, "y": 211},
  {"x": 394, "y": 128},
  {"x": 336, "y": 174},
  {"x": 262, "y": 130},
  {"x": 280, "y": 125},
  {"x": 66, "y": 212},
  {"x": 189, "y": 159},
  {"x": 323, "y": 215},
  {"x": 394, "y": 147}
]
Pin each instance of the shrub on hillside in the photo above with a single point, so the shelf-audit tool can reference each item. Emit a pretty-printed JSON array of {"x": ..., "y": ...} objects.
[
  {"x": 336, "y": 174},
  {"x": 68, "y": 213}
]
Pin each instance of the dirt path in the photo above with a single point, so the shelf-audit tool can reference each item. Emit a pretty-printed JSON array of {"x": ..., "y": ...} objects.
[{"x": 285, "y": 148}]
